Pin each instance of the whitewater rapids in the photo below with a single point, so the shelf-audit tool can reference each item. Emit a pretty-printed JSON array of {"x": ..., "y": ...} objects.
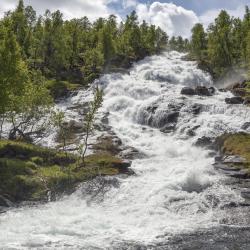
[{"x": 175, "y": 190}]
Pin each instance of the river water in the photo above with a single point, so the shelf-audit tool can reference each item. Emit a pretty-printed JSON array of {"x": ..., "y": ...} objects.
[{"x": 175, "y": 191}]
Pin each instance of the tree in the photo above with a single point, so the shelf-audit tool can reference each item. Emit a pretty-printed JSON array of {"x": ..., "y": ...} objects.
[
  {"x": 198, "y": 41},
  {"x": 89, "y": 121},
  {"x": 220, "y": 44}
]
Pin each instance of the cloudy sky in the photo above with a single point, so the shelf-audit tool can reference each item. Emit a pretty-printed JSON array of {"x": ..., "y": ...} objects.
[{"x": 176, "y": 17}]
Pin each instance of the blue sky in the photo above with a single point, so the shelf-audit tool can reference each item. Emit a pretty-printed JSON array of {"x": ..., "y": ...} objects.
[{"x": 176, "y": 17}]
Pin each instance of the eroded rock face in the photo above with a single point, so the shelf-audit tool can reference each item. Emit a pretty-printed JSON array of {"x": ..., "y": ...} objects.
[{"x": 234, "y": 100}]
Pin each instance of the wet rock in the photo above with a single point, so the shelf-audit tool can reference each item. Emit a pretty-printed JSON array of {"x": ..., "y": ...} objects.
[
  {"x": 245, "y": 126},
  {"x": 168, "y": 128},
  {"x": 234, "y": 100},
  {"x": 188, "y": 91},
  {"x": 203, "y": 142},
  {"x": 196, "y": 109},
  {"x": 233, "y": 159},
  {"x": 245, "y": 194},
  {"x": 202, "y": 91}
]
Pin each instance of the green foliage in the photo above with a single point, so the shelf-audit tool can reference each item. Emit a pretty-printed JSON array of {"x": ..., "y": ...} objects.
[{"x": 225, "y": 47}]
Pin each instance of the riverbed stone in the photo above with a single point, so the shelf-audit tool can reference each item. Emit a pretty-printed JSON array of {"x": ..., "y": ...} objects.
[
  {"x": 234, "y": 100},
  {"x": 202, "y": 91}
]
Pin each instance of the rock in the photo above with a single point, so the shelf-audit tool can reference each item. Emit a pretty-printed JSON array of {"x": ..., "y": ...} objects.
[
  {"x": 203, "y": 141},
  {"x": 233, "y": 159},
  {"x": 202, "y": 91},
  {"x": 196, "y": 109},
  {"x": 188, "y": 91},
  {"x": 234, "y": 100},
  {"x": 245, "y": 194},
  {"x": 246, "y": 101},
  {"x": 245, "y": 126},
  {"x": 191, "y": 132}
]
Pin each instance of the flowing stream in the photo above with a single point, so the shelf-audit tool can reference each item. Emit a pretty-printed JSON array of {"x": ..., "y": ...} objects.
[{"x": 175, "y": 190}]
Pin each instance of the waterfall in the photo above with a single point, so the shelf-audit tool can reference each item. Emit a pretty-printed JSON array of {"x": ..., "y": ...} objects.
[{"x": 175, "y": 188}]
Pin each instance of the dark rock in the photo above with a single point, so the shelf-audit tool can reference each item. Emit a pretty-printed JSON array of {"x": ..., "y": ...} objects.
[
  {"x": 203, "y": 142},
  {"x": 196, "y": 109},
  {"x": 73, "y": 126},
  {"x": 245, "y": 126},
  {"x": 188, "y": 91},
  {"x": 222, "y": 90},
  {"x": 234, "y": 100},
  {"x": 245, "y": 194},
  {"x": 202, "y": 91}
]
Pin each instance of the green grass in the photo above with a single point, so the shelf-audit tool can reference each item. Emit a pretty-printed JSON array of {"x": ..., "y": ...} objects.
[{"x": 28, "y": 172}]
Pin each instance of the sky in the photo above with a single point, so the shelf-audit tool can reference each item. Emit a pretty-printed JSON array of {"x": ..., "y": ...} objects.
[{"x": 176, "y": 17}]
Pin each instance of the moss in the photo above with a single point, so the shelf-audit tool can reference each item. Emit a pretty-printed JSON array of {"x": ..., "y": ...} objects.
[
  {"x": 237, "y": 144},
  {"x": 28, "y": 172}
]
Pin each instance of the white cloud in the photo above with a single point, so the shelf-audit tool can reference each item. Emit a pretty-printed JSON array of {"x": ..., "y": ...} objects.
[
  {"x": 175, "y": 20},
  {"x": 129, "y": 3},
  {"x": 71, "y": 9},
  {"x": 210, "y": 15}
]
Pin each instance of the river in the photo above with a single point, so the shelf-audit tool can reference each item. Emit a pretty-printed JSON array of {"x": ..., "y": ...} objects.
[{"x": 175, "y": 193}]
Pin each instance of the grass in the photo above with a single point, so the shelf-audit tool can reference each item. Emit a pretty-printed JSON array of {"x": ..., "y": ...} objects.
[{"x": 28, "y": 172}]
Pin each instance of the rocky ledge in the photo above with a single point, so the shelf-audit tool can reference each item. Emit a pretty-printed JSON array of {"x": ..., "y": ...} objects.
[{"x": 37, "y": 174}]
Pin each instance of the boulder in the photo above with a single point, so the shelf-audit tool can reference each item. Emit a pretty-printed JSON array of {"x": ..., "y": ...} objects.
[
  {"x": 203, "y": 141},
  {"x": 202, "y": 91},
  {"x": 122, "y": 166},
  {"x": 234, "y": 100},
  {"x": 239, "y": 92},
  {"x": 73, "y": 126},
  {"x": 188, "y": 91}
]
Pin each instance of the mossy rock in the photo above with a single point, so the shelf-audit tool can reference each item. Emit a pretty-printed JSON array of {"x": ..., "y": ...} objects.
[
  {"x": 29, "y": 172},
  {"x": 236, "y": 144}
]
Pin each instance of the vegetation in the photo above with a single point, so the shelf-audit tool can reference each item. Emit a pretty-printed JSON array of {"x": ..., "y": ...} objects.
[
  {"x": 29, "y": 172},
  {"x": 225, "y": 46}
]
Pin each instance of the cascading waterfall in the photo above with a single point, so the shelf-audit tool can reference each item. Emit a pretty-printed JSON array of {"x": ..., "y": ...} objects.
[{"x": 175, "y": 189}]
